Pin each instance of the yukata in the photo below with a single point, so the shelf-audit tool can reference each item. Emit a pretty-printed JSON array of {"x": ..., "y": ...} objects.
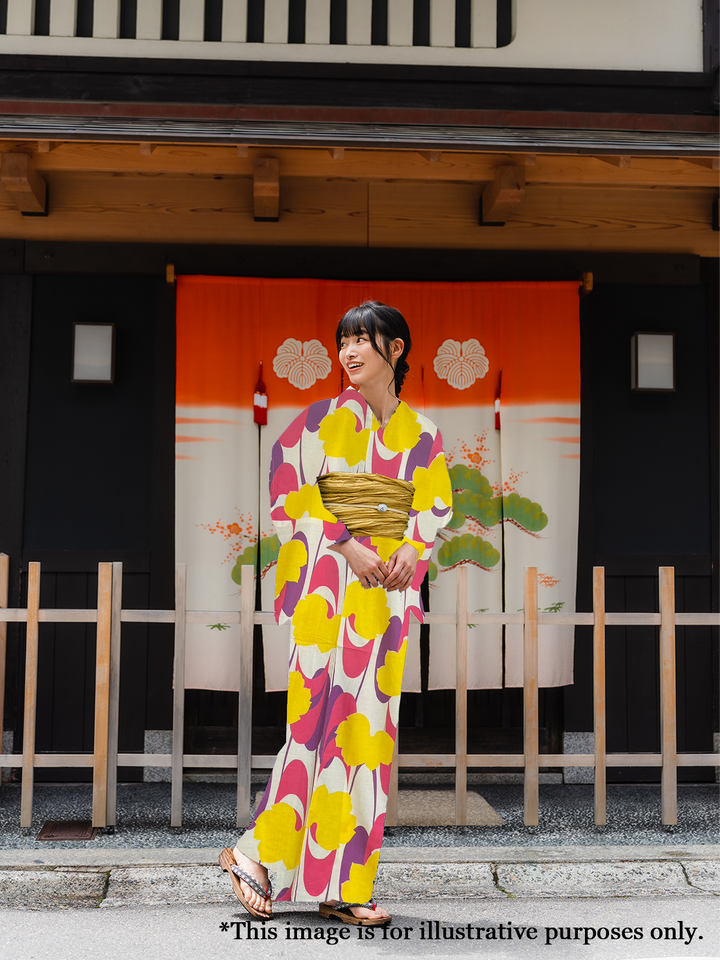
[{"x": 319, "y": 826}]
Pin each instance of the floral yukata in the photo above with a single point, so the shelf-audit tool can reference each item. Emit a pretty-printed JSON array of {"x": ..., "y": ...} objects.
[{"x": 319, "y": 826}]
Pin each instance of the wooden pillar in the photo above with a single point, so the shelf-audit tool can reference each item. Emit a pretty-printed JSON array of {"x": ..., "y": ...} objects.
[
  {"x": 102, "y": 694},
  {"x": 530, "y": 697},
  {"x": 461, "y": 729},
  {"x": 668, "y": 705},
  {"x": 30, "y": 705},
  {"x": 178, "y": 739},
  {"x": 247, "y": 618},
  {"x": 4, "y": 585},
  {"x": 599, "y": 694}
]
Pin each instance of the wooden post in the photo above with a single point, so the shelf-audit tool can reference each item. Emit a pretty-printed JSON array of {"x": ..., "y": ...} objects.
[
  {"x": 114, "y": 710},
  {"x": 461, "y": 731},
  {"x": 530, "y": 697},
  {"x": 4, "y": 589},
  {"x": 178, "y": 739},
  {"x": 599, "y": 694},
  {"x": 668, "y": 707},
  {"x": 102, "y": 695},
  {"x": 247, "y": 618},
  {"x": 30, "y": 706}
]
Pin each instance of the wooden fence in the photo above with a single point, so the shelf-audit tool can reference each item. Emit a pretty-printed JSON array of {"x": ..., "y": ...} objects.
[{"x": 110, "y": 616}]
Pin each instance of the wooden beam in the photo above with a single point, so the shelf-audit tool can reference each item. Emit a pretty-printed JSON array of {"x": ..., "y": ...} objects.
[
  {"x": 710, "y": 163},
  {"x": 26, "y": 187},
  {"x": 616, "y": 161},
  {"x": 266, "y": 189},
  {"x": 47, "y": 146},
  {"x": 501, "y": 197}
]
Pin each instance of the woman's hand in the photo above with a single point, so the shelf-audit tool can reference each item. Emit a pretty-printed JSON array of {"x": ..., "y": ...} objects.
[
  {"x": 401, "y": 568},
  {"x": 366, "y": 565}
]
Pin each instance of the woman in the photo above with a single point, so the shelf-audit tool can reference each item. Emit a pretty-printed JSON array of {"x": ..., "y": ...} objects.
[{"x": 358, "y": 489}]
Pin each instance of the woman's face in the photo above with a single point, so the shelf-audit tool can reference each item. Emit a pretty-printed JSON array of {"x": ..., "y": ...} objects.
[{"x": 363, "y": 364}]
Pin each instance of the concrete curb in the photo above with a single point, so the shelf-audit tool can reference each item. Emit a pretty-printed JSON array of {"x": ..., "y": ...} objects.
[{"x": 150, "y": 877}]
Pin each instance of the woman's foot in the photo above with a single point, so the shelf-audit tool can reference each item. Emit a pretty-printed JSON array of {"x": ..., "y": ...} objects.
[
  {"x": 258, "y": 872},
  {"x": 364, "y": 913}
]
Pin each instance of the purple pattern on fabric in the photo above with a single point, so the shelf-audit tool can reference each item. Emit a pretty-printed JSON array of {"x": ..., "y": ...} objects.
[
  {"x": 392, "y": 640},
  {"x": 316, "y": 412},
  {"x": 354, "y": 853},
  {"x": 419, "y": 456},
  {"x": 293, "y": 591}
]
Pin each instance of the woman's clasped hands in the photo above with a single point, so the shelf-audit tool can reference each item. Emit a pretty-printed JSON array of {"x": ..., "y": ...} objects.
[{"x": 371, "y": 571}]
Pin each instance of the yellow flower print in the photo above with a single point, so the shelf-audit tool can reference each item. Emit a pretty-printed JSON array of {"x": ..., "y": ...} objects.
[
  {"x": 403, "y": 431},
  {"x": 278, "y": 835},
  {"x": 311, "y": 624},
  {"x": 386, "y": 546},
  {"x": 358, "y": 746},
  {"x": 340, "y": 438},
  {"x": 432, "y": 483},
  {"x": 307, "y": 500},
  {"x": 299, "y": 697},
  {"x": 332, "y": 812},
  {"x": 291, "y": 559},
  {"x": 359, "y": 888},
  {"x": 389, "y": 676},
  {"x": 372, "y": 614}
]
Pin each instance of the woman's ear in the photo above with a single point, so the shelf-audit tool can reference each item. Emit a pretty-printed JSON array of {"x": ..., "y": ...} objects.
[{"x": 396, "y": 348}]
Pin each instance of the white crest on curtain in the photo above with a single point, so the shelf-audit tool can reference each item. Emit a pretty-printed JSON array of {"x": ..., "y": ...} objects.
[
  {"x": 302, "y": 362},
  {"x": 461, "y": 364}
]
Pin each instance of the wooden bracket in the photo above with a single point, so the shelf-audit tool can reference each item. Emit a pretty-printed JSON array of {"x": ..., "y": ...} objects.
[
  {"x": 266, "y": 189},
  {"x": 712, "y": 163},
  {"x": 615, "y": 161},
  {"x": 530, "y": 159},
  {"x": 337, "y": 153},
  {"x": 170, "y": 273},
  {"x": 24, "y": 184},
  {"x": 243, "y": 150},
  {"x": 715, "y": 219},
  {"x": 47, "y": 146},
  {"x": 501, "y": 197},
  {"x": 586, "y": 283},
  {"x": 432, "y": 156},
  {"x": 146, "y": 149}
]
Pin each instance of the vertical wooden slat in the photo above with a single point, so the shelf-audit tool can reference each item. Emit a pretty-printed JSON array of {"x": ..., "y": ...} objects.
[
  {"x": 599, "y": 721},
  {"x": 4, "y": 589},
  {"x": 400, "y": 23},
  {"x": 668, "y": 705},
  {"x": 483, "y": 28},
  {"x": 30, "y": 705},
  {"x": 317, "y": 21},
  {"x": 461, "y": 635},
  {"x": 178, "y": 739},
  {"x": 106, "y": 19},
  {"x": 276, "y": 21},
  {"x": 442, "y": 23},
  {"x": 20, "y": 18},
  {"x": 192, "y": 20},
  {"x": 148, "y": 21},
  {"x": 114, "y": 710},
  {"x": 102, "y": 694},
  {"x": 234, "y": 21},
  {"x": 391, "y": 814},
  {"x": 359, "y": 22},
  {"x": 530, "y": 694},
  {"x": 247, "y": 611},
  {"x": 63, "y": 18}
]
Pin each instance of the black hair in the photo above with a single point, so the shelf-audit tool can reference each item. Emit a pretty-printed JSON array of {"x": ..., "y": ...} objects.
[{"x": 381, "y": 323}]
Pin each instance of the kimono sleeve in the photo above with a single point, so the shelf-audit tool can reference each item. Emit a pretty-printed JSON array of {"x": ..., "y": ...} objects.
[
  {"x": 432, "y": 501},
  {"x": 295, "y": 499}
]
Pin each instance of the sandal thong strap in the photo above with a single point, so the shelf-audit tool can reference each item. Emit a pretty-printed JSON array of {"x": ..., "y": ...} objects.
[
  {"x": 342, "y": 904},
  {"x": 252, "y": 882}
]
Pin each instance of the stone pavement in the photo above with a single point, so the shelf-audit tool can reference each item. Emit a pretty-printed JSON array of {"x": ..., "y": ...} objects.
[{"x": 62, "y": 878}]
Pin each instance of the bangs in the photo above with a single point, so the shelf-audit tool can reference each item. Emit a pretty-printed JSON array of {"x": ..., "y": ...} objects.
[{"x": 361, "y": 319}]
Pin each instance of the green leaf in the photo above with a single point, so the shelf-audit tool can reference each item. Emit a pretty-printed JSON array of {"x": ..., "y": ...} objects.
[
  {"x": 524, "y": 512},
  {"x": 468, "y": 548}
]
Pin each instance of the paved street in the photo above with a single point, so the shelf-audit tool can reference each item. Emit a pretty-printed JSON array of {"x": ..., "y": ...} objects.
[{"x": 525, "y": 928}]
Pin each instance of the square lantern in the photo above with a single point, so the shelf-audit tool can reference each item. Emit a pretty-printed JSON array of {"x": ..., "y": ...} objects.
[
  {"x": 652, "y": 362},
  {"x": 93, "y": 353}
]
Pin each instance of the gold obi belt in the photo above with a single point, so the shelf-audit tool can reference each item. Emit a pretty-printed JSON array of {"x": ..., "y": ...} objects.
[{"x": 369, "y": 504}]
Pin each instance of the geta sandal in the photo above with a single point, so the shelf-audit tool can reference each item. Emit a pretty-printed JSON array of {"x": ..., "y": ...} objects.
[
  {"x": 229, "y": 865},
  {"x": 341, "y": 911}
]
